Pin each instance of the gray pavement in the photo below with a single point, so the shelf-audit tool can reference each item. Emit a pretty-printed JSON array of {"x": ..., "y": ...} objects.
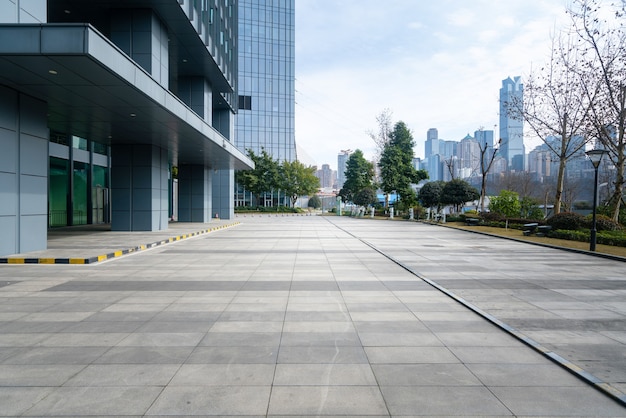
[{"x": 308, "y": 316}]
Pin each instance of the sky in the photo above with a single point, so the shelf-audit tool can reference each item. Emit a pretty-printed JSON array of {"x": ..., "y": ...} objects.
[{"x": 432, "y": 64}]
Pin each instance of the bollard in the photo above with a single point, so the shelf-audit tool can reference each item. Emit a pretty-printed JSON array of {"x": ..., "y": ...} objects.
[
  {"x": 411, "y": 214},
  {"x": 390, "y": 213},
  {"x": 372, "y": 212}
]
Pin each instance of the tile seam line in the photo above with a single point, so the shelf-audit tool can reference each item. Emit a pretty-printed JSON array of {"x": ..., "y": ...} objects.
[
  {"x": 18, "y": 261},
  {"x": 577, "y": 371}
]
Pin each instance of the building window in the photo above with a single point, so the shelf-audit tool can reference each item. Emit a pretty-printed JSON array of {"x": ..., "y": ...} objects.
[{"x": 245, "y": 102}]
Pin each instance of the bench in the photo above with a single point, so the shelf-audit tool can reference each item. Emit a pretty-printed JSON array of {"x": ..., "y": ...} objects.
[
  {"x": 472, "y": 221},
  {"x": 543, "y": 230},
  {"x": 530, "y": 229}
]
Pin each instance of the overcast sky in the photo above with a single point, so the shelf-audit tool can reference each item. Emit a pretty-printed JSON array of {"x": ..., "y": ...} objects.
[{"x": 434, "y": 64}]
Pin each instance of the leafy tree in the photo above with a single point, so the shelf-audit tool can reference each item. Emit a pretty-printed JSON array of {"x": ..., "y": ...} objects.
[
  {"x": 265, "y": 176},
  {"x": 529, "y": 208},
  {"x": 430, "y": 194},
  {"x": 366, "y": 197},
  {"x": 359, "y": 175},
  {"x": 456, "y": 192},
  {"x": 297, "y": 180},
  {"x": 396, "y": 164},
  {"x": 315, "y": 202},
  {"x": 506, "y": 204}
]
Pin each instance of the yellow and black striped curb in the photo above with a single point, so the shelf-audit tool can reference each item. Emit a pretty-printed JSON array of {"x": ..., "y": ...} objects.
[{"x": 109, "y": 256}]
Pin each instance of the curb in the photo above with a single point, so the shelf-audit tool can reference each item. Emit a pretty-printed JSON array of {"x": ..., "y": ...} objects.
[{"x": 112, "y": 255}]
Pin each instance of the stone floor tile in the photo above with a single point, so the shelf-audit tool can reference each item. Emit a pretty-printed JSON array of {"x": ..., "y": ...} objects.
[
  {"x": 327, "y": 400},
  {"x": 218, "y": 401},
  {"x": 433, "y": 401},
  {"x": 324, "y": 375}
]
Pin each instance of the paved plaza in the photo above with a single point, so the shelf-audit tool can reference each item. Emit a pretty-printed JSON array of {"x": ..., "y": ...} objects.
[{"x": 311, "y": 316}]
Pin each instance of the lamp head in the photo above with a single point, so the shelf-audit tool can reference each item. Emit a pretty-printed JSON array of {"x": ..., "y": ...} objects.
[{"x": 595, "y": 156}]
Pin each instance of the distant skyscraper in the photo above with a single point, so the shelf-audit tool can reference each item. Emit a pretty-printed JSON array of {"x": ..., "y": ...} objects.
[
  {"x": 342, "y": 159},
  {"x": 511, "y": 130},
  {"x": 432, "y": 143},
  {"x": 327, "y": 176}
]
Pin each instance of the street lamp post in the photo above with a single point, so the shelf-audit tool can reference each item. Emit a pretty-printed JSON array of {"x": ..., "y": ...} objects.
[{"x": 595, "y": 156}]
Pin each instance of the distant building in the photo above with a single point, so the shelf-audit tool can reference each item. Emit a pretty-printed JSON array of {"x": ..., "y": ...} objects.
[
  {"x": 511, "y": 129},
  {"x": 342, "y": 159},
  {"x": 431, "y": 146},
  {"x": 328, "y": 177}
]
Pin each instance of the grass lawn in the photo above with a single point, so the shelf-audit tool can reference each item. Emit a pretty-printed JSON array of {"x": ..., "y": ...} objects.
[{"x": 517, "y": 234}]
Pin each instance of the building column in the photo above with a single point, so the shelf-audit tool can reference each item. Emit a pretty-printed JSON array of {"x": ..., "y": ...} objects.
[
  {"x": 224, "y": 194},
  {"x": 139, "y": 188},
  {"x": 194, "y": 193},
  {"x": 23, "y": 173}
]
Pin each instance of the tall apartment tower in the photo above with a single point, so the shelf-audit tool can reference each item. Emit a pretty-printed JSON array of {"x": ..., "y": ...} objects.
[
  {"x": 342, "y": 160},
  {"x": 265, "y": 119},
  {"x": 100, "y": 99},
  {"x": 511, "y": 129},
  {"x": 432, "y": 143}
]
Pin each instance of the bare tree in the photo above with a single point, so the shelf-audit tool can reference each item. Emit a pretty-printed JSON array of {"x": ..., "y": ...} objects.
[
  {"x": 555, "y": 108},
  {"x": 487, "y": 157},
  {"x": 602, "y": 34},
  {"x": 381, "y": 137}
]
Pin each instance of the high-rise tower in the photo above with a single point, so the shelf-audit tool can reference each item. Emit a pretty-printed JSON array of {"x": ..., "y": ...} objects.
[
  {"x": 265, "y": 118},
  {"x": 511, "y": 129}
]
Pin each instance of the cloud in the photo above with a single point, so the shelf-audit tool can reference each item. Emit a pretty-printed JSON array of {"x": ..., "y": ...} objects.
[{"x": 434, "y": 64}]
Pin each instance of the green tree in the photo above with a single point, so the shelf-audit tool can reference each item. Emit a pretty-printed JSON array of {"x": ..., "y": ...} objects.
[
  {"x": 265, "y": 176},
  {"x": 506, "y": 204},
  {"x": 296, "y": 180},
  {"x": 529, "y": 208},
  {"x": 359, "y": 175},
  {"x": 430, "y": 194},
  {"x": 456, "y": 192},
  {"x": 315, "y": 202},
  {"x": 396, "y": 164},
  {"x": 366, "y": 197}
]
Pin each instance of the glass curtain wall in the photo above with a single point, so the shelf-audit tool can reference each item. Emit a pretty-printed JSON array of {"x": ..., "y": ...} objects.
[
  {"x": 78, "y": 188},
  {"x": 265, "y": 119}
]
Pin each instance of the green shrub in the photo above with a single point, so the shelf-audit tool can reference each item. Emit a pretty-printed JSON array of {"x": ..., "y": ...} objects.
[
  {"x": 603, "y": 223},
  {"x": 615, "y": 238},
  {"x": 569, "y": 221}
]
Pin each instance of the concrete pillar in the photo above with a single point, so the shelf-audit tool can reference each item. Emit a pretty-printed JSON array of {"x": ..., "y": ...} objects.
[
  {"x": 196, "y": 93},
  {"x": 224, "y": 194},
  {"x": 23, "y": 173},
  {"x": 194, "y": 193},
  {"x": 139, "y": 188}
]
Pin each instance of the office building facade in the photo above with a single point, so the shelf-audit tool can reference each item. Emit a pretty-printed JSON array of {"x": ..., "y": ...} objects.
[
  {"x": 100, "y": 99},
  {"x": 511, "y": 128},
  {"x": 266, "y": 64}
]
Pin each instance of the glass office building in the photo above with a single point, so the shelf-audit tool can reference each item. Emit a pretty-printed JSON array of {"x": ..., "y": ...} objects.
[
  {"x": 512, "y": 129},
  {"x": 266, "y": 66},
  {"x": 100, "y": 99}
]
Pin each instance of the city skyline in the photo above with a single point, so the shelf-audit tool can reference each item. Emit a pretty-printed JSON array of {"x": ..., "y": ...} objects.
[{"x": 443, "y": 64}]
